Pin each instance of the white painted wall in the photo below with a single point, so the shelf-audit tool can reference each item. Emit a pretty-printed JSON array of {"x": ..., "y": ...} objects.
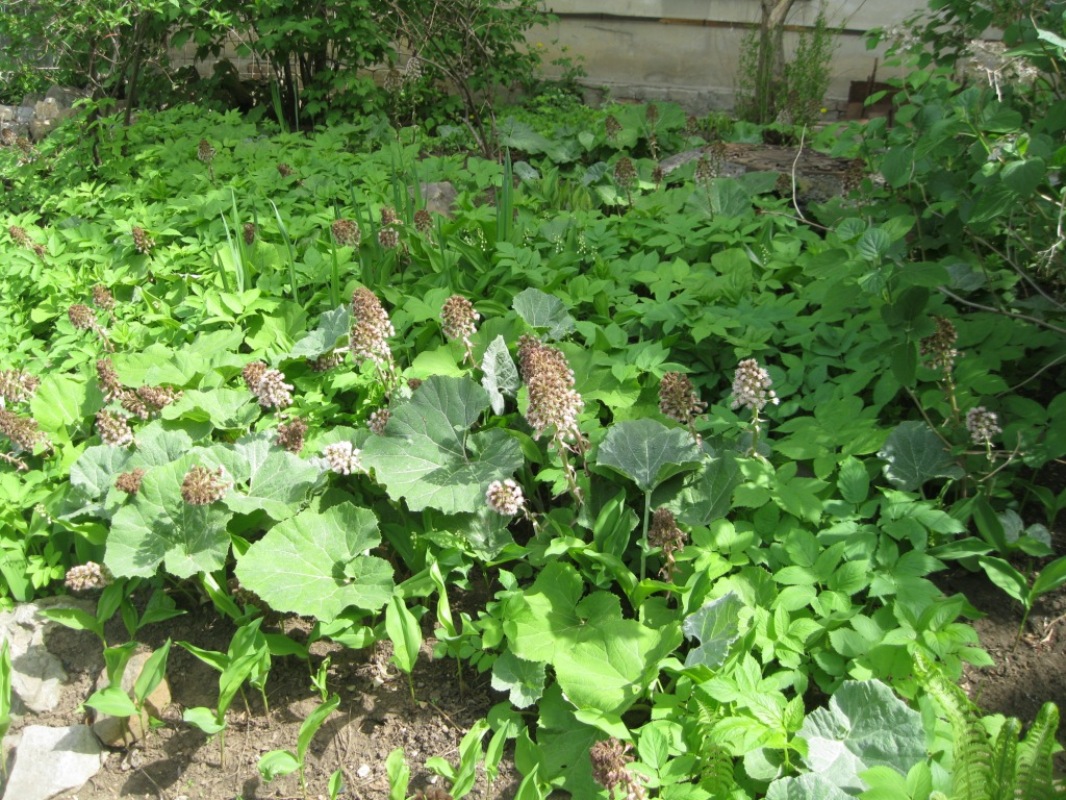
[{"x": 688, "y": 50}]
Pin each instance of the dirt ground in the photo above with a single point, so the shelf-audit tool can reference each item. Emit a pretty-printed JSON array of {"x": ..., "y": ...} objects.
[{"x": 376, "y": 715}]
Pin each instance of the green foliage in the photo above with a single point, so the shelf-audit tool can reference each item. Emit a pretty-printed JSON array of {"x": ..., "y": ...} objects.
[{"x": 655, "y": 570}]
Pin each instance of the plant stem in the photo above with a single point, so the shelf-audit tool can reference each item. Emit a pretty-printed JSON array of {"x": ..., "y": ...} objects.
[{"x": 644, "y": 535}]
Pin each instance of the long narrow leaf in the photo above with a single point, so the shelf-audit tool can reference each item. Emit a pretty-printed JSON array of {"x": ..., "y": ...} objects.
[{"x": 292, "y": 254}]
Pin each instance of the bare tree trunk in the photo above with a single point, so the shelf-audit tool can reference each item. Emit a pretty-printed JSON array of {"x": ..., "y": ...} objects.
[{"x": 770, "y": 76}]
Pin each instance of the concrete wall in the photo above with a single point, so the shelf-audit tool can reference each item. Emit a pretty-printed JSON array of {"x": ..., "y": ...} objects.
[{"x": 688, "y": 50}]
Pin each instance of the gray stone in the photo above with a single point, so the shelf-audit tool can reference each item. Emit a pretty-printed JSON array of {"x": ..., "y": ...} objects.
[
  {"x": 439, "y": 197},
  {"x": 52, "y": 760},
  {"x": 121, "y": 731},
  {"x": 47, "y": 109},
  {"x": 65, "y": 96},
  {"x": 36, "y": 674}
]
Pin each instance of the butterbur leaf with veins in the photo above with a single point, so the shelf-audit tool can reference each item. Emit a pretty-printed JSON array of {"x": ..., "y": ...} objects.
[
  {"x": 543, "y": 311},
  {"x": 332, "y": 327},
  {"x": 316, "y": 563},
  {"x": 158, "y": 526},
  {"x": 715, "y": 627},
  {"x": 429, "y": 455},
  {"x": 602, "y": 661},
  {"x": 500, "y": 374},
  {"x": 914, "y": 454},
  {"x": 648, "y": 452},
  {"x": 864, "y": 725}
]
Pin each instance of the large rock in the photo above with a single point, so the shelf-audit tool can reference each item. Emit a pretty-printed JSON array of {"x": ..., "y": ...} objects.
[
  {"x": 37, "y": 675},
  {"x": 52, "y": 760}
]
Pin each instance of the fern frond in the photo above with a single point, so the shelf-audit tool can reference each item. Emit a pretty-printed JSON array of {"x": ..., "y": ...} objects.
[
  {"x": 1005, "y": 761},
  {"x": 716, "y": 770},
  {"x": 972, "y": 768},
  {"x": 1036, "y": 780}
]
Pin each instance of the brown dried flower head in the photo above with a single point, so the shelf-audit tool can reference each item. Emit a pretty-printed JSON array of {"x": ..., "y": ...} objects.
[
  {"x": 705, "y": 169},
  {"x": 983, "y": 425},
  {"x": 203, "y": 486},
  {"x": 108, "y": 379},
  {"x": 114, "y": 429},
  {"x": 291, "y": 435},
  {"x": 284, "y": 170},
  {"x": 378, "y": 419},
  {"x": 130, "y": 482},
  {"x": 371, "y": 329},
  {"x": 388, "y": 238},
  {"x": 326, "y": 361},
  {"x": 665, "y": 535},
  {"x": 21, "y": 431},
  {"x": 940, "y": 346},
  {"x": 460, "y": 321},
  {"x": 142, "y": 241},
  {"x": 624, "y": 172},
  {"x": 553, "y": 403},
  {"x": 678, "y": 399},
  {"x": 611, "y": 126},
  {"x": 102, "y": 297},
  {"x": 19, "y": 236},
  {"x": 249, "y": 232},
  {"x": 252, "y": 373},
  {"x": 505, "y": 497},
  {"x": 272, "y": 391},
  {"x": 158, "y": 397},
  {"x": 388, "y": 216},
  {"x": 88, "y": 577},
  {"x": 205, "y": 152},
  {"x": 341, "y": 457},
  {"x": 82, "y": 317},
  {"x": 423, "y": 221},
  {"x": 346, "y": 232},
  {"x": 610, "y": 758},
  {"x": 17, "y": 386}
]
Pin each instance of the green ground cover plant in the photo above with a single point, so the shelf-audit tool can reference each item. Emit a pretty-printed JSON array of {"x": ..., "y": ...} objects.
[{"x": 700, "y": 450}]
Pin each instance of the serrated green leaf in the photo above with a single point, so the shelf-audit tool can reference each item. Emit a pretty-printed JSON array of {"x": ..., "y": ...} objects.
[
  {"x": 332, "y": 327},
  {"x": 648, "y": 452},
  {"x": 715, "y": 627},
  {"x": 279, "y": 481},
  {"x": 95, "y": 470},
  {"x": 805, "y": 787},
  {"x": 57, "y": 403},
  {"x": 524, "y": 680},
  {"x": 601, "y": 660},
  {"x": 854, "y": 481},
  {"x": 544, "y": 312},
  {"x": 874, "y": 244},
  {"x": 225, "y": 409},
  {"x": 914, "y": 454},
  {"x": 315, "y": 564},
  {"x": 708, "y": 496},
  {"x": 428, "y": 454},
  {"x": 159, "y": 526}
]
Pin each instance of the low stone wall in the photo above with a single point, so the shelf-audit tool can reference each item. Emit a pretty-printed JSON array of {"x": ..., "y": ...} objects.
[{"x": 37, "y": 116}]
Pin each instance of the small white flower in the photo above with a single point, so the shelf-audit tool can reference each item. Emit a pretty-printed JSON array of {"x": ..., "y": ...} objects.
[{"x": 505, "y": 497}]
